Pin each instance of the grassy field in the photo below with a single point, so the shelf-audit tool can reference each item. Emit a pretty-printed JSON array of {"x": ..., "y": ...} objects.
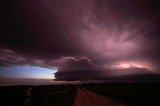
[{"x": 64, "y": 95}]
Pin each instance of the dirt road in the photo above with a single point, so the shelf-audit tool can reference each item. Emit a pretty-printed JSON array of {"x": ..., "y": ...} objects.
[{"x": 87, "y": 98}]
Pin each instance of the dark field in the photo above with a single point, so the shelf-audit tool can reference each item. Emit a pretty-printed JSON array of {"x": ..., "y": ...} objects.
[{"x": 64, "y": 95}]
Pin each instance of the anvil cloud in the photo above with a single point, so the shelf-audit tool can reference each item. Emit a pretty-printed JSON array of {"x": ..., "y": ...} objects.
[{"x": 83, "y": 39}]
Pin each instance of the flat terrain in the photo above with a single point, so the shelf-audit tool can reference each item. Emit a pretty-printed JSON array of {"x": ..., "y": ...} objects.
[
  {"x": 87, "y": 98},
  {"x": 66, "y": 95}
]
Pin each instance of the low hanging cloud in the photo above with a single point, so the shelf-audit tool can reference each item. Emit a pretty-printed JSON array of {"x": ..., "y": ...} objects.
[
  {"x": 9, "y": 57},
  {"x": 78, "y": 69},
  {"x": 83, "y": 39}
]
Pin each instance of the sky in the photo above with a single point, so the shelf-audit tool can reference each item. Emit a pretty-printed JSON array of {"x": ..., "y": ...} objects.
[
  {"x": 80, "y": 39},
  {"x": 32, "y": 72}
]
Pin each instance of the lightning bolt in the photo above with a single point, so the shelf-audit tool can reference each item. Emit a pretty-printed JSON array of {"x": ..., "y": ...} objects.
[{"x": 86, "y": 58}]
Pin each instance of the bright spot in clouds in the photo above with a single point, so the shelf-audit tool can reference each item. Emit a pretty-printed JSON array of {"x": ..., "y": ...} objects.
[
  {"x": 110, "y": 43},
  {"x": 132, "y": 64},
  {"x": 33, "y": 72},
  {"x": 124, "y": 65}
]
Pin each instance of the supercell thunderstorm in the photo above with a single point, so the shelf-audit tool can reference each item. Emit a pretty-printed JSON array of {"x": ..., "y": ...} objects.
[{"x": 85, "y": 39}]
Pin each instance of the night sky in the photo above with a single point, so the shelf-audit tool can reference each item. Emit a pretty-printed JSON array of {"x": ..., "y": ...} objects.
[{"x": 79, "y": 39}]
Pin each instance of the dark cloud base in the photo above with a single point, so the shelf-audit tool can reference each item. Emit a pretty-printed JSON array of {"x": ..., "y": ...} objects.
[{"x": 81, "y": 38}]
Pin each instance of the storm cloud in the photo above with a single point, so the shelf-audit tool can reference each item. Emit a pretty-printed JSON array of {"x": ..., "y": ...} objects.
[
  {"x": 83, "y": 39},
  {"x": 78, "y": 69}
]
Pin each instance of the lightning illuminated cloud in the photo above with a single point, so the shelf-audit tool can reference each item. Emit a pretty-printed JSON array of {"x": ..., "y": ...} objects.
[{"x": 82, "y": 39}]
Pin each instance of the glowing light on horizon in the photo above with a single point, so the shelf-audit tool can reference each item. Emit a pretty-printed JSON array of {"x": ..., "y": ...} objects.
[
  {"x": 33, "y": 72},
  {"x": 124, "y": 65},
  {"x": 132, "y": 64}
]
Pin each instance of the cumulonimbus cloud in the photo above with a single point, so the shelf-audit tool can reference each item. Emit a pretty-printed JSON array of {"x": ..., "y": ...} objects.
[
  {"x": 64, "y": 34},
  {"x": 78, "y": 69}
]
